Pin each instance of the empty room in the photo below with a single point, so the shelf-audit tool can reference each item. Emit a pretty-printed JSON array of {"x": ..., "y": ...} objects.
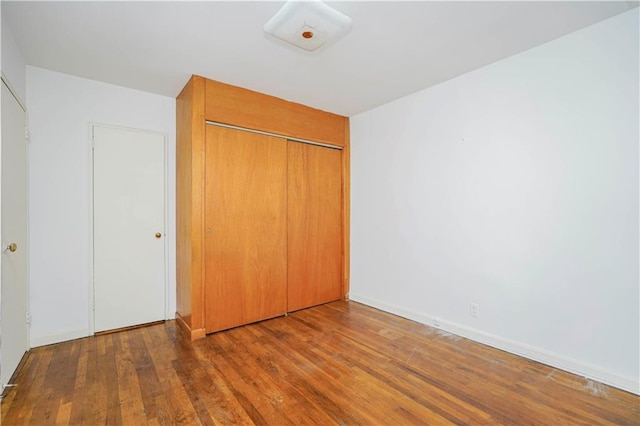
[{"x": 320, "y": 212}]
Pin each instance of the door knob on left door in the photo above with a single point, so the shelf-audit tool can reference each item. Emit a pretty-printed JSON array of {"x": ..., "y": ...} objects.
[
  {"x": 158, "y": 235},
  {"x": 11, "y": 247}
]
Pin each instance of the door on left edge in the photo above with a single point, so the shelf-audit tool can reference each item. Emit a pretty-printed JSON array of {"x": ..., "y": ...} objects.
[
  {"x": 13, "y": 307},
  {"x": 128, "y": 227}
]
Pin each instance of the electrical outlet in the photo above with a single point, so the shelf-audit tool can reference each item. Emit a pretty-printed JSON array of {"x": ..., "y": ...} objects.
[
  {"x": 436, "y": 322},
  {"x": 474, "y": 310}
]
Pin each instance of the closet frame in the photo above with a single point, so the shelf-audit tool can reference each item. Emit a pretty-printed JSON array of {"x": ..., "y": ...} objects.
[{"x": 203, "y": 100}]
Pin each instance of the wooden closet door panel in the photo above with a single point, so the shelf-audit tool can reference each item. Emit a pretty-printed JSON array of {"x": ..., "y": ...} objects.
[
  {"x": 245, "y": 221},
  {"x": 314, "y": 237}
]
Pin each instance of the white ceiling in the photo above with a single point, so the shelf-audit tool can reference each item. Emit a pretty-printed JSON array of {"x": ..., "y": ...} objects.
[{"x": 393, "y": 49}]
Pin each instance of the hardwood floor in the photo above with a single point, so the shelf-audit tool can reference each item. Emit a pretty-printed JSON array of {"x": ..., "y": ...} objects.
[{"x": 340, "y": 363}]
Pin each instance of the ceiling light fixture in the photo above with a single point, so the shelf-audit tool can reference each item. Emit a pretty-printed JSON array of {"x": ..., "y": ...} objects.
[{"x": 308, "y": 24}]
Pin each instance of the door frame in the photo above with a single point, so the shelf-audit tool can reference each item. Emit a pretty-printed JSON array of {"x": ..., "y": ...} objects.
[
  {"x": 91, "y": 281},
  {"x": 5, "y": 80}
]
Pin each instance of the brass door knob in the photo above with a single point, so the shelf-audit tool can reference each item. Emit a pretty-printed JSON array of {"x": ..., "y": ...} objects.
[
  {"x": 158, "y": 235},
  {"x": 11, "y": 247}
]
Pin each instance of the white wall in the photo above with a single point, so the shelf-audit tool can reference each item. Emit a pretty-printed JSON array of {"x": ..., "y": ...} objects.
[
  {"x": 61, "y": 108},
  {"x": 13, "y": 64},
  {"x": 514, "y": 187}
]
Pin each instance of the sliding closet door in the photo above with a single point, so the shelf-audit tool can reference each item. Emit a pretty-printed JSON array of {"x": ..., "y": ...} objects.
[
  {"x": 245, "y": 227},
  {"x": 314, "y": 225}
]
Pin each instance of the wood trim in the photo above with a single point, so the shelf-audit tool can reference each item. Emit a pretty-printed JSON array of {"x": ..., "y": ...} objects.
[
  {"x": 275, "y": 135},
  {"x": 245, "y": 108},
  {"x": 184, "y": 326},
  {"x": 184, "y": 111},
  {"x": 189, "y": 179},
  {"x": 197, "y": 188},
  {"x": 346, "y": 210}
]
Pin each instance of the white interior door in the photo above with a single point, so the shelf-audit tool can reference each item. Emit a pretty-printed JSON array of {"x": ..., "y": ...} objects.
[
  {"x": 13, "y": 308},
  {"x": 128, "y": 227}
]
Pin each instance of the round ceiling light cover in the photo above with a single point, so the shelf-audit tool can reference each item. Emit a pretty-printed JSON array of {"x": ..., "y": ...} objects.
[{"x": 296, "y": 19}]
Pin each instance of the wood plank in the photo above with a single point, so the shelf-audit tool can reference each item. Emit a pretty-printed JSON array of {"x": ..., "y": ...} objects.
[
  {"x": 207, "y": 388},
  {"x": 314, "y": 226},
  {"x": 129, "y": 389},
  {"x": 338, "y": 363},
  {"x": 234, "y": 105},
  {"x": 33, "y": 373},
  {"x": 246, "y": 244},
  {"x": 79, "y": 395}
]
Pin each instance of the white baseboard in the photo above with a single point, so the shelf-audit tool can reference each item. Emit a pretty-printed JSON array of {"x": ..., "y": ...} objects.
[
  {"x": 549, "y": 358},
  {"x": 57, "y": 338}
]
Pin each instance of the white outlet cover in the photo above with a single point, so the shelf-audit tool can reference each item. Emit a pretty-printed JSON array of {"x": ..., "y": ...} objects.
[
  {"x": 474, "y": 310},
  {"x": 296, "y": 17}
]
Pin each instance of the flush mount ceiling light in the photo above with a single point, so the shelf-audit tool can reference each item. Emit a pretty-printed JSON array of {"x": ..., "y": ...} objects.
[{"x": 308, "y": 24}]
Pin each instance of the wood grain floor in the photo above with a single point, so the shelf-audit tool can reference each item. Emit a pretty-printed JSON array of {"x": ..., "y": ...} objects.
[{"x": 341, "y": 363}]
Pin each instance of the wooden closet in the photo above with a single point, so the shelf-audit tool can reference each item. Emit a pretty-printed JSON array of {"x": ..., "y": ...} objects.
[{"x": 262, "y": 207}]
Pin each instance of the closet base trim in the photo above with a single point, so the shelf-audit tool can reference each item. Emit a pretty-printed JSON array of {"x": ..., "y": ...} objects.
[{"x": 198, "y": 333}]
